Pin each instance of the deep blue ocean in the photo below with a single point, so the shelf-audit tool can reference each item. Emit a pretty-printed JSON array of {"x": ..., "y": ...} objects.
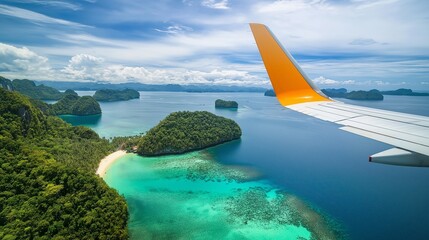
[{"x": 310, "y": 158}]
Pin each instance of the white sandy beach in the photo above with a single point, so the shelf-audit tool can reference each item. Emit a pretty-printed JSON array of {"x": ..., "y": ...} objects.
[{"x": 107, "y": 161}]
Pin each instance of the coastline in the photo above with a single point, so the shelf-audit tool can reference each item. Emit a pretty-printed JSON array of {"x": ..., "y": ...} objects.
[{"x": 107, "y": 161}]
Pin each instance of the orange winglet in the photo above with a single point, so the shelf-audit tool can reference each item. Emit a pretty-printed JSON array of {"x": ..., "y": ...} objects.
[{"x": 290, "y": 83}]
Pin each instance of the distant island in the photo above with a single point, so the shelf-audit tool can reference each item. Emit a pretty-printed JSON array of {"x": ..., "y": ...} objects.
[
  {"x": 93, "y": 86},
  {"x": 69, "y": 103},
  {"x": 219, "y": 103},
  {"x": 270, "y": 93},
  {"x": 40, "y": 92},
  {"x": 182, "y": 132},
  {"x": 404, "y": 92},
  {"x": 72, "y": 104},
  {"x": 372, "y": 95},
  {"x": 110, "y": 95}
]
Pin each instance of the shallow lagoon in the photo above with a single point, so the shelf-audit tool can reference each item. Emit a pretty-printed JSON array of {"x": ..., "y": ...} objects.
[
  {"x": 191, "y": 196},
  {"x": 309, "y": 158}
]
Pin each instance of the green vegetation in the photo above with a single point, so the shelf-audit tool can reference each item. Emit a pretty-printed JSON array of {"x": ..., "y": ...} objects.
[
  {"x": 40, "y": 92},
  {"x": 373, "y": 95},
  {"x": 185, "y": 131},
  {"x": 404, "y": 92},
  {"x": 48, "y": 186},
  {"x": 270, "y": 93},
  {"x": 108, "y": 95},
  {"x": 225, "y": 104},
  {"x": 72, "y": 104}
]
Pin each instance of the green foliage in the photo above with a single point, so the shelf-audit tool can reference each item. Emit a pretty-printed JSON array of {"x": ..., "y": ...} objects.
[
  {"x": 109, "y": 95},
  {"x": 126, "y": 143},
  {"x": 219, "y": 103},
  {"x": 64, "y": 105},
  {"x": 74, "y": 105},
  {"x": 70, "y": 92},
  {"x": 186, "y": 131},
  {"x": 86, "y": 105},
  {"x": 40, "y": 92},
  {"x": 48, "y": 186}
]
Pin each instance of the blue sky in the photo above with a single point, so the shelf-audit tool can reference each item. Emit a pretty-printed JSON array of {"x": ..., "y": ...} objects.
[{"x": 356, "y": 44}]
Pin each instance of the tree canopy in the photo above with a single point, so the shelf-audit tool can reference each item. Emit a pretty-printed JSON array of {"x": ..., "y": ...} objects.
[
  {"x": 219, "y": 103},
  {"x": 185, "y": 131},
  {"x": 109, "y": 95},
  {"x": 48, "y": 186},
  {"x": 41, "y": 92}
]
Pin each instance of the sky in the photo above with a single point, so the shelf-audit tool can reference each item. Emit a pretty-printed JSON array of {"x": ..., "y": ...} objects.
[{"x": 355, "y": 44}]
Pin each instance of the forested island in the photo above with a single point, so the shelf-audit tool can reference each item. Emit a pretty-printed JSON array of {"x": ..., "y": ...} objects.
[
  {"x": 70, "y": 104},
  {"x": 404, "y": 92},
  {"x": 270, "y": 93},
  {"x": 372, "y": 95},
  {"x": 110, "y": 95},
  {"x": 182, "y": 132},
  {"x": 49, "y": 189},
  {"x": 219, "y": 103},
  {"x": 40, "y": 92}
]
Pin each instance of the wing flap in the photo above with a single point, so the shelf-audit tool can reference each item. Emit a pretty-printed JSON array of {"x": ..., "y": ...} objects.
[
  {"x": 402, "y": 143},
  {"x": 397, "y": 156}
]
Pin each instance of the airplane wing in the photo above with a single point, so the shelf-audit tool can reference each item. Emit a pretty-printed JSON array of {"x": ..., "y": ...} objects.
[{"x": 407, "y": 132}]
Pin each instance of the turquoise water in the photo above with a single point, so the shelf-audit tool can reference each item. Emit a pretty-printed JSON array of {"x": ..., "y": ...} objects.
[
  {"x": 323, "y": 167},
  {"x": 191, "y": 196}
]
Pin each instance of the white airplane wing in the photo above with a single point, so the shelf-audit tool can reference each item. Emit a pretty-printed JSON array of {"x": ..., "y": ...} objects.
[{"x": 407, "y": 132}]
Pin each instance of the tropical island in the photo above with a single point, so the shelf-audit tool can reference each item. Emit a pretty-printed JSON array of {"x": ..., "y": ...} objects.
[
  {"x": 185, "y": 131},
  {"x": 404, "y": 92},
  {"x": 49, "y": 186},
  {"x": 69, "y": 102},
  {"x": 270, "y": 93},
  {"x": 39, "y": 92},
  {"x": 110, "y": 95},
  {"x": 372, "y": 95},
  {"x": 72, "y": 104},
  {"x": 219, "y": 103}
]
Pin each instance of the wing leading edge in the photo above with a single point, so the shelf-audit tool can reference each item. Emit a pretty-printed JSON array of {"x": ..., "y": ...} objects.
[{"x": 408, "y": 133}]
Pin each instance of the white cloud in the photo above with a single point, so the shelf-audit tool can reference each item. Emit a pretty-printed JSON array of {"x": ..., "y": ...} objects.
[
  {"x": 334, "y": 37},
  {"x": 53, "y": 3},
  {"x": 34, "y": 16},
  {"x": 325, "y": 81},
  {"x": 287, "y": 6},
  {"x": 84, "y": 67},
  {"x": 175, "y": 29},
  {"x": 216, "y": 4},
  {"x": 16, "y": 61},
  {"x": 363, "y": 41}
]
